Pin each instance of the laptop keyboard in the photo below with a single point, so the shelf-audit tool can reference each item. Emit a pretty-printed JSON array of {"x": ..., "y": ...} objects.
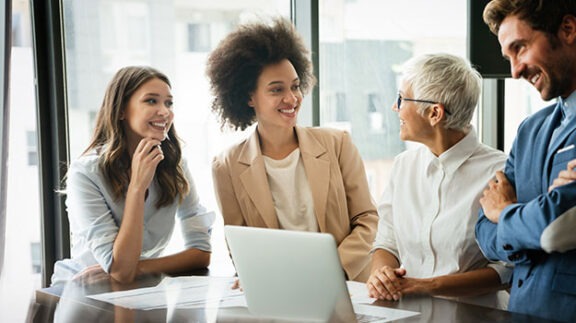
[{"x": 364, "y": 318}]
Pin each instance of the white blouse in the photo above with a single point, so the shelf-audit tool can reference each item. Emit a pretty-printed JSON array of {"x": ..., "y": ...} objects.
[
  {"x": 291, "y": 193},
  {"x": 430, "y": 206}
]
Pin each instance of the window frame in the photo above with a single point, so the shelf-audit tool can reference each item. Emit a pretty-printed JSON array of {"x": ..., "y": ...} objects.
[
  {"x": 6, "y": 13},
  {"x": 52, "y": 117},
  {"x": 52, "y": 129}
]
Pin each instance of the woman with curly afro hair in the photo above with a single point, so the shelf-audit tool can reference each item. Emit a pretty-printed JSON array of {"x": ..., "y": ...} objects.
[{"x": 283, "y": 175}]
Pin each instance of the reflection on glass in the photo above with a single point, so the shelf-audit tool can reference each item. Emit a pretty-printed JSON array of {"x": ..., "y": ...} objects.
[
  {"x": 21, "y": 274},
  {"x": 362, "y": 44},
  {"x": 521, "y": 100},
  {"x": 174, "y": 36}
]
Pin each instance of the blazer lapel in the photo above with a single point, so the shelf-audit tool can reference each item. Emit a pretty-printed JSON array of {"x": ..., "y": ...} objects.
[
  {"x": 255, "y": 182},
  {"x": 560, "y": 140},
  {"x": 317, "y": 166},
  {"x": 551, "y": 148}
]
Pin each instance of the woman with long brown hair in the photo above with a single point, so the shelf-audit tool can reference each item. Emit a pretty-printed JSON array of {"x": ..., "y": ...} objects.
[{"x": 129, "y": 185}]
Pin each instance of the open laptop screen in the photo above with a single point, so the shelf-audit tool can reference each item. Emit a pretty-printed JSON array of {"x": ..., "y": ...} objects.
[{"x": 290, "y": 274}]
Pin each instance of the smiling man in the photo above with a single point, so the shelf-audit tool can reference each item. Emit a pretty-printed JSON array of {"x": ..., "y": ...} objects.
[{"x": 528, "y": 212}]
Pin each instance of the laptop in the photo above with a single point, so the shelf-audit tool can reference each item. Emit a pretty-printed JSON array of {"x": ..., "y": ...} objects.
[{"x": 291, "y": 275}]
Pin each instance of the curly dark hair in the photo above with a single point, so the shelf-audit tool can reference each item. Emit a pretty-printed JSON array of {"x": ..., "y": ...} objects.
[
  {"x": 235, "y": 65},
  {"x": 543, "y": 15}
]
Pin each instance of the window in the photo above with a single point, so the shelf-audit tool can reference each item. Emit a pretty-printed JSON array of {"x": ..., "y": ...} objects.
[
  {"x": 125, "y": 31},
  {"x": 21, "y": 269},
  {"x": 198, "y": 37},
  {"x": 173, "y": 36},
  {"x": 17, "y": 28},
  {"x": 335, "y": 110},
  {"x": 521, "y": 99},
  {"x": 374, "y": 113},
  {"x": 32, "y": 144},
  {"x": 362, "y": 45}
]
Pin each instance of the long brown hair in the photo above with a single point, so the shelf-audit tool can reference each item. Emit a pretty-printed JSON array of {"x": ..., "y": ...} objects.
[{"x": 110, "y": 141}]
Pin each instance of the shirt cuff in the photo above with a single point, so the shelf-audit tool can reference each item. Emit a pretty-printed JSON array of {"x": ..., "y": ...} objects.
[
  {"x": 504, "y": 270},
  {"x": 197, "y": 230}
]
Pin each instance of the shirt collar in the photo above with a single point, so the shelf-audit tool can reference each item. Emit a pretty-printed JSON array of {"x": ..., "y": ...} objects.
[
  {"x": 568, "y": 106},
  {"x": 452, "y": 158}
]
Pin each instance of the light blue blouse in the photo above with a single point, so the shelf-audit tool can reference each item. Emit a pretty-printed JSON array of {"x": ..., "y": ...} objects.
[{"x": 95, "y": 218}]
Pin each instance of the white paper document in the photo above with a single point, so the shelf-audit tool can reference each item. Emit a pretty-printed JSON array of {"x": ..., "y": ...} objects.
[
  {"x": 361, "y": 302},
  {"x": 359, "y": 293},
  {"x": 179, "y": 292},
  {"x": 216, "y": 292}
]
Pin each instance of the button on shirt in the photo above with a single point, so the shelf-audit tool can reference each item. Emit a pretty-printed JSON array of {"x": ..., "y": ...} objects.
[{"x": 430, "y": 206}]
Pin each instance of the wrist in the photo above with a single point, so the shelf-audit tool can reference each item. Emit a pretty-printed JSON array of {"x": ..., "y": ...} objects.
[
  {"x": 136, "y": 189},
  {"x": 433, "y": 285},
  {"x": 141, "y": 268}
]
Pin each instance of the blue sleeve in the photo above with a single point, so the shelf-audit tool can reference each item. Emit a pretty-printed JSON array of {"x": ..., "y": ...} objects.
[
  {"x": 486, "y": 231},
  {"x": 91, "y": 221},
  {"x": 195, "y": 221},
  {"x": 521, "y": 225}
]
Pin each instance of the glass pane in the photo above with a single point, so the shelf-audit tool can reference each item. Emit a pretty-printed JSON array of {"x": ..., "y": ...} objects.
[
  {"x": 23, "y": 258},
  {"x": 173, "y": 36},
  {"x": 362, "y": 45},
  {"x": 520, "y": 100}
]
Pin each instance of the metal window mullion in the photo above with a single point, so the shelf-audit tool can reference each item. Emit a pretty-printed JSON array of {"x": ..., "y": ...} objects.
[
  {"x": 6, "y": 47},
  {"x": 52, "y": 130},
  {"x": 492, "y": 113},
  {"x": 305, "y": 15}
]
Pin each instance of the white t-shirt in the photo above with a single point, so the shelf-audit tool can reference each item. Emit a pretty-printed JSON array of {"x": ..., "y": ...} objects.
[
  {"x": 429, "y": 209},
  {"x": 291, "y": 193}
]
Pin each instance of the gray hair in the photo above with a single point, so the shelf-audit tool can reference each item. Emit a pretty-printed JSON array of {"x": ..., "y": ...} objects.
[{"x": 446, "y": 79}]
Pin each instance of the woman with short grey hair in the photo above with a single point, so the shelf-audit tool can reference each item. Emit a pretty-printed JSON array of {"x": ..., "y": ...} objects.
[{"x": 425, "y": 241}]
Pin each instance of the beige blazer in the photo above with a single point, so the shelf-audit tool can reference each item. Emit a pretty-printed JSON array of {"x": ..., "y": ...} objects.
[{"x": 342, "y": 202}]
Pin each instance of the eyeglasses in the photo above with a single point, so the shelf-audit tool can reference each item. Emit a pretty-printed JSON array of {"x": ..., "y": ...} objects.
[{"x": 400, "y": 98}]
